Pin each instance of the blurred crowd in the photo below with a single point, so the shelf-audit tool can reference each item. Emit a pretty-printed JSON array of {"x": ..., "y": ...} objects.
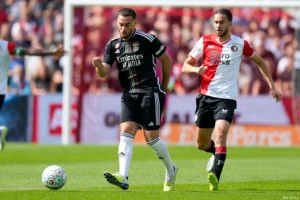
[
  {"x": 39, "y": 23},
  {"x": 35, "y": 24}
]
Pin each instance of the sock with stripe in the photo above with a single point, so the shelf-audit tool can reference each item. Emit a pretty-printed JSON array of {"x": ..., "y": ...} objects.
[
  {"x": 161, "y": 150},
  {"x": 125, "y": 153},
  {"x": 211, "y": 148},
  {"x": 219, "y": 161}
]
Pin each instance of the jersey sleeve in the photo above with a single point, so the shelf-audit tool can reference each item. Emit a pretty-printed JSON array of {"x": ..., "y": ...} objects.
[
  {"x": 248, "y": 50},
  {"x": 197, "y": 51},
  {"x": 11, "y": 47},
  {"x": 157, "y": 47},
  {"x": 109, "y": 55}
]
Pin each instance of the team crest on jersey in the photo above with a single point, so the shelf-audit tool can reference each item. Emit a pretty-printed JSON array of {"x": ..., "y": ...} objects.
[
  {"x": 234, "y": 48},
  {"x": 135, "y": 46},
  {"x": 117, "y": 45}
]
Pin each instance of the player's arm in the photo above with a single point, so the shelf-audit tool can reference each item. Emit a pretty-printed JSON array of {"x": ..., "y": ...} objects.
[
  {"x": 20, "y": 51},
  {"x": 166, "y": 68},
  {"x": 189, "y": 67},
  {"x": 101, "y": 68},
  {"x": 264, "y": 69}
]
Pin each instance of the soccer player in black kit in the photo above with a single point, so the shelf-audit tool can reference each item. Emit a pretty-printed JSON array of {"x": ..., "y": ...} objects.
[{"x": 143, "y": 97}]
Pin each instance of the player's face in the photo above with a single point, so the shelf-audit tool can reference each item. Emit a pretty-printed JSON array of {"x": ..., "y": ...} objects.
[
  {"x": 126, "y": 26},
  {"x": 222, "y": 25}
]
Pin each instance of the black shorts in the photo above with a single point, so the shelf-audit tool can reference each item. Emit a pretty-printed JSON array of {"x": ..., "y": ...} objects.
[
  {"x": 209, "y": 109},
  {"x": 2, "y": 97},
  {"x": 143, "y": 108}
]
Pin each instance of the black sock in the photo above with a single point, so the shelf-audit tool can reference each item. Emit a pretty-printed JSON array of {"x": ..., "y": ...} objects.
[
  {"x": 219, "y": 161},
  {"x": 211, "y": 148}
]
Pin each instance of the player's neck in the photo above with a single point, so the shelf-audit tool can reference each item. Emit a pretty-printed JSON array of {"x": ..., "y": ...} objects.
[
  {"x": 130, "y": 35},
  {"x": 224, "y": 38}
]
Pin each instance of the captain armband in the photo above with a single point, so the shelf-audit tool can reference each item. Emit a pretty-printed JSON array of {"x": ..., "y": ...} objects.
[{"x": 19, "y": 51}]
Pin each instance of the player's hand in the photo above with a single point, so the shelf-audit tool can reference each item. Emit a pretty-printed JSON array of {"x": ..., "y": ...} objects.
[
  {"x": 59, "y": 51},
  {"x": 277, "y": 95},
  {"x": 166, "y": 89},
  {"x": 96, "y": 61},
  {"x": 201, "y": 70}
]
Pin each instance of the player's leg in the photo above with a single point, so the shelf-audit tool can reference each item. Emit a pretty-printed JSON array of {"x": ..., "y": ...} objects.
[
  {"x": 221, "y": 131},
  {"x": 152, "y": 107},
  {"x": 3, "y": 133},
  {"x": 205, "y": 122},
  {"x": 224, "y": 113},
  {"x": 3, "y": 129},
  {"x": 128, "y": 127}
]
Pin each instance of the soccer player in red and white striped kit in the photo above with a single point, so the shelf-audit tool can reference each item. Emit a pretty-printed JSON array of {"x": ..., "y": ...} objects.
[
  {"x": 8, "y": 49},
  {"x": 221, "y": 53}
]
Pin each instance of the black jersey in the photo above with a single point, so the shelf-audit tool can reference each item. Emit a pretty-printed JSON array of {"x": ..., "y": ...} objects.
[{"x": 136, "y": 61}]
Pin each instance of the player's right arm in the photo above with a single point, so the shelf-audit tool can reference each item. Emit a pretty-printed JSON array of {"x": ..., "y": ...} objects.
[
  {"x": 101, "y": 68},
  {"x": 189, "y": 66}
]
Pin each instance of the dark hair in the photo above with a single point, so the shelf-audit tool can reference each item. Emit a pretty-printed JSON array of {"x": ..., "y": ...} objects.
[
  {"x": 127, "y": 12},
  {"x": 226, "y": 12}
]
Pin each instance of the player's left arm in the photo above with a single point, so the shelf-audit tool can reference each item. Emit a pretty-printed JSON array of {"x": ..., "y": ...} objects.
[
  {"x": 166, "y": 68},
  {"x": 21, "y": 51},
  {"x": 264, "y": 69},
  {"x": 159, "y": 51},
  {"x": 59, "y": 51}
]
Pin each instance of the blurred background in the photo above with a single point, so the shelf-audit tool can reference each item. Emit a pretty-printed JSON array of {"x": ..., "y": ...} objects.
[{"x": 33, "y": 106}]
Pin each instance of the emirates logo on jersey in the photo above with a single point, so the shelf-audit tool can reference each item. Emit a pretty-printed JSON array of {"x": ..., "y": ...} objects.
[{"x": 234, "y": 48}]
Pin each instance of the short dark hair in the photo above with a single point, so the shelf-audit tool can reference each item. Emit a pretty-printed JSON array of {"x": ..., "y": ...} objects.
[
  {"x": 226, "y": 12},
  {"x": 127, "y": 12}
]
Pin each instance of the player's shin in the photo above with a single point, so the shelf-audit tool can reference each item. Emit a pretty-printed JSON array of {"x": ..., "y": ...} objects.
[
  {"x": 161, "y": 150},
  {"x": 125, "y": 153},
  {"x": 219, "y": 161}
]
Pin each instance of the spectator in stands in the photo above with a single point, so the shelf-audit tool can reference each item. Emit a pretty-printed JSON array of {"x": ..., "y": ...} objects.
[
  {"x": 41, "y": 81},
  {"x": 184, "y": 83},
  {"x": 17, "y": 82}
]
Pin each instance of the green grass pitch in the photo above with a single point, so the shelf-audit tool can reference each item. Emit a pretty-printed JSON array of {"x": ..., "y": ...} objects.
[{"x": 249, "y": 173}]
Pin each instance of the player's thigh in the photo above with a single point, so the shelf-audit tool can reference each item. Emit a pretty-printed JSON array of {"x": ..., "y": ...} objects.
[
  {"x": 152, "y": 105},
  {"x": 130, "y": 111},
  {"x": 204, "y": 117},
  {"x": 223, "y": 114},
  {"x": 224, "y": 110},
  {"x": 2, "y": 97}
]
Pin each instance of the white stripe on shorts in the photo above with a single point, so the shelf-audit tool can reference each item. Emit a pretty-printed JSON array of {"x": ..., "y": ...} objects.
[{"x": 157, "y": 108}]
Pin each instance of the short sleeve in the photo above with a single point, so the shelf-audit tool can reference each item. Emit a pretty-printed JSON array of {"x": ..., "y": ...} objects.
[
  {"x": 109, "y": 55},
  {"x": 157, "y": 47},
  {"x": 11, "y": 47},
  {"x": 197, "y": 51},
  {"x": 248, "y": 50}
]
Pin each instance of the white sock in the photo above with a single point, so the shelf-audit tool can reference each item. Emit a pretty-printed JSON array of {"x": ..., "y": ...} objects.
[
  {"x": 161, "y": 150},
  {"x": 125, "y": 153}
]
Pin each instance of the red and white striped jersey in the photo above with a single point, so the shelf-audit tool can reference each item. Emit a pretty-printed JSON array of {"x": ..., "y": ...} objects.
[
  {"x": 223, "y": 63},
  {"x": 6, "y": 49}
]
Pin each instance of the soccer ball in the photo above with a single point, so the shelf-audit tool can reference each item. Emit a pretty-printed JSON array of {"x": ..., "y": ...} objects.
[{"x": 54, "y": 177}]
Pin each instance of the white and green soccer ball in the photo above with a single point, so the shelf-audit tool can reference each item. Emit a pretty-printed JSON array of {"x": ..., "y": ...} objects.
[{"x": 54, "y": 177}]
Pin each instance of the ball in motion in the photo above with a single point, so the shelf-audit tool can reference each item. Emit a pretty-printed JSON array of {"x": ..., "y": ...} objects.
[{"x": 54, "y": 177}]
